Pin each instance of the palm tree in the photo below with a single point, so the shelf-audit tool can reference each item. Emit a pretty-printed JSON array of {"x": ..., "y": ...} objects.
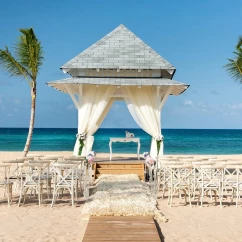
[
  {"x": 25, "y": 64},
  {"x": 234, "y": 67}
]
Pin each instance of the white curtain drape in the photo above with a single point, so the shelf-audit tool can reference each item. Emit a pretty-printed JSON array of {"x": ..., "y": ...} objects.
[
  {"x": 94, "y": 104},
  {"x": 144, "y": 104}
]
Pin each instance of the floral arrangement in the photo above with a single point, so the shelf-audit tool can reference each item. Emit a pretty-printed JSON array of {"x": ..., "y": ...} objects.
[
  {"x": 91, "y": 157},
  {"x": 148, "y": 159},
  {"x": 129, "y": 135},
  {"x": 159, "y": 139},
  {"x": 81, "y": 137}
]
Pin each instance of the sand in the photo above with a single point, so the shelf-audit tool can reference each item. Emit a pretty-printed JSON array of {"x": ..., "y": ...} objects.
[{"x": 64, "y": 223}]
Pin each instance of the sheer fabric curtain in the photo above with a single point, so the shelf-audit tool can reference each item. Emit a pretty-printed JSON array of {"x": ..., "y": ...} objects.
[
  {"x": 144, "y": 105},
  {"x": 94, "y": 104}
]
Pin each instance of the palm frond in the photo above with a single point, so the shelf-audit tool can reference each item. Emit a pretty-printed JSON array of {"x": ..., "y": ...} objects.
[
  {"x": 239, "y": 45},
  {"x": 29, "y": 52},
  {"x": 234, "y": 66},
  {"x": 12, "y": 66}
]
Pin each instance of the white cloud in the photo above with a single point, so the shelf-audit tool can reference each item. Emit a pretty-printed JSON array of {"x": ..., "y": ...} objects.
[
  {"x": 188, "y": 103},
  {"x": 235, "y": 106}
]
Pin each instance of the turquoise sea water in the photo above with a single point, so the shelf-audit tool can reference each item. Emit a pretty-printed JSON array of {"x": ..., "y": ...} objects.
[{"x": 177, "y": 141}]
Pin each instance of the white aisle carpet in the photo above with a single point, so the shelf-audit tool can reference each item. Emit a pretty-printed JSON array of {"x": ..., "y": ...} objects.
[{"x": 121, "y": 195}]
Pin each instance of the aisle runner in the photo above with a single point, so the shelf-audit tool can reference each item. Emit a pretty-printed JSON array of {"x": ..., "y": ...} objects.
[
  {"x": 121, "y": 195},
  {"x": 117, "y": 229}
]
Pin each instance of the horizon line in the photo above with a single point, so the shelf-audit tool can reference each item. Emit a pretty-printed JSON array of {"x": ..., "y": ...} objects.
[{"x": 122, "y": 128}]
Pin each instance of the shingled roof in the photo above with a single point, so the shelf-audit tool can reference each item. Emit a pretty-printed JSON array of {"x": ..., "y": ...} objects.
[{"x": 120, "y": 49}]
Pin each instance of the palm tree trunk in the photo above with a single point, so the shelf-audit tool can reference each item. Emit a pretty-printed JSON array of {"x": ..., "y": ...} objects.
[{"x": 32, "y": 118}]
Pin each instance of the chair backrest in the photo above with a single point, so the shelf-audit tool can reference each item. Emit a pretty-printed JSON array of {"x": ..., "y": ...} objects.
[
  {"x": 35, "y": 155},
  {"x": 211, "y": 174},
  {"x": 13, "y": 161},
  {"x": 4, "y": 172},
  {"x": 31, "y": 172},
  {"x": 24, "y": 158},
  {"x": 48, "y": 158},
  {"x": 53, "y": 157},
  {"x": 63, "y": 173},
  {"x": 180, "y": 174},
  {"x": 184, "y": 157}
]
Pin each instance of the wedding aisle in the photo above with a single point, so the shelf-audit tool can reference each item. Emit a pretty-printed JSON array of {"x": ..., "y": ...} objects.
[{"x": 121, "y": 207}]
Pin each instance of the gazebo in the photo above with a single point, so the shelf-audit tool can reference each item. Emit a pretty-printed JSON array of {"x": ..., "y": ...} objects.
[{"x": 120, "y": 66}]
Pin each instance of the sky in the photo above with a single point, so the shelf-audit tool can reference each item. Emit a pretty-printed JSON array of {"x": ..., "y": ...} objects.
[{"x": 197, "y": 37}]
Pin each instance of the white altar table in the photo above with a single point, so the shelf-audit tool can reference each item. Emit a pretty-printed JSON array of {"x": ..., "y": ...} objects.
[{"x": 125, "y": 140}]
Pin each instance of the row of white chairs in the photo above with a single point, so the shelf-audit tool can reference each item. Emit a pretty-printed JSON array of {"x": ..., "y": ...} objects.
[
  {"x": 33, "y": 173},
  {"x": 199, "y": 175}
]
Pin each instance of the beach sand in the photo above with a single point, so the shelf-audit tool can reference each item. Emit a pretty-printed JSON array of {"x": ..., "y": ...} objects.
[{"x": 63, "y": 223}]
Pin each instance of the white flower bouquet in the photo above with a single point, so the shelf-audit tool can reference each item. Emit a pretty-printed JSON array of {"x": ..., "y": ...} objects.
[
  {"x": 148, "y": 159},
  {"x": 159, "y": 139},
  {"x": 81, "y": 137},
  {"x": 91, "y": 157}
]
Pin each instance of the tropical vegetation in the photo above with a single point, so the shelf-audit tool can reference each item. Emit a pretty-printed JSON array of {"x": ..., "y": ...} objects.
[
  {"x": 234, "y": 66},
  {"x": 25, "y": 63}
]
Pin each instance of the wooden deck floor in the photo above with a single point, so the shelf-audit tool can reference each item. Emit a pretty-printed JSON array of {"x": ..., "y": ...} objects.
[
  {"x": 117, "y": 229},
  {"x": 119, "y": 167}
]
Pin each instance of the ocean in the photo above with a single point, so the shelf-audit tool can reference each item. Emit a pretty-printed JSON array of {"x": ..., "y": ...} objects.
[{"x": 176, "y": 141}]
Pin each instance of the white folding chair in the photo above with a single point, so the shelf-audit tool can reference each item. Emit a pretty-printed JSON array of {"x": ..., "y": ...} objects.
[
  {"x": 46, "y": 175},
  {"x": 164, "y": 175},
  {"x": 31, "y": 180},
  {"x": 180, "y": 182},
  {"x": 230, "y": 174},
  {"x": 15, "y": 173},
  {"x": 65, "y": 178},
  {"x": 5, "y": 183},
  {"x": 237, "y": 186},
  {"x": 197, "y": 175},
  {"x": 211, "y": 180}
]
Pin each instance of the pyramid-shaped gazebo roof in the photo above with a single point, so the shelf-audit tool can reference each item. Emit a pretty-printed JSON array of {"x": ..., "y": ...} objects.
[
  {"x": 120, "y": 49},
  {"x": 120, "y": 59}
]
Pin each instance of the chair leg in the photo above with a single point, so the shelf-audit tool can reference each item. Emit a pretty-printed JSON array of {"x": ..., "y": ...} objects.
[
  {"x": 171, "y": 196},
  {"x": 189, "y": 197},
  {"x": 215, "y": 195},
  {"x": 163, "y": 191},
  {"x": 199, "y": 196},
  {"x": 25, "y": 192},
  {"x": 220, "y": 200},
  {"x": 11, "y": 193},
  {"x": 54, "y": 196},
  {"x": 185, "y": 194},
  {"x": 20, "y": 197},
  {"x": 202, "y": 195},
  {"x": 76, "y": 190},
  {"x": 232, "y": 197},
  {"x": 237, "y": 197},
  {"x": 7, "y": 191},
  {"x": 72, "y": 196}
]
